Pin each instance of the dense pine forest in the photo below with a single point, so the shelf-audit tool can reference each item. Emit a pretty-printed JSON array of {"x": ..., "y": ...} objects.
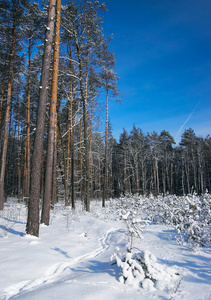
[{"x": 57, "y": 76}]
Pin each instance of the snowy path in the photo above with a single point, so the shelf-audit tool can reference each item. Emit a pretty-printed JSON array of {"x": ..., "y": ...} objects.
[
  {"x": 71, "y": 259},
  {"x": 58, "y": 271}
]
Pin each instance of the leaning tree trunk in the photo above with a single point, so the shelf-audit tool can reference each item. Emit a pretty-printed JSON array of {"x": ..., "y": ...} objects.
[
  {"x": 52, "y": 122},
  {"x": 32, "y": 226},
  {"x": 7, "y": 113}
]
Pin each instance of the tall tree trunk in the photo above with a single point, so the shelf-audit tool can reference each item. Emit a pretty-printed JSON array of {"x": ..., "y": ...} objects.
[
  {"x": 54, "y": 190},
  {"x": 157, "y": 177},
  {"x": 32, "y": 226},
  {"x": 86, "y": 143},
  {"x": 194, "y": 160},
  {"x": 187, "y": 171},
  {"x": 154, "y": 176},
  {"x": 163, "y": 179},
  {"x": 201, "y": 170},
  {"x": 105, "y": 185},
  {"x": 183, "y": 176},
  {"x": 126, "y": 185},
  {"x": 52, "y": 122},
  {"x": 171, "y": 176},
  {"x": 90, "y": 148},
  {"x": 81, "y": 163},
  {"x": 137, "y": 172},
  {"x": 67, "y": 200},
  {"x": 71, "y": 137},
  {"x": 72, "y": 169},
  {"x": 19, "y": 161},
  {"x": 27, "y": 142},
  {"x": 7, "y": 113}
]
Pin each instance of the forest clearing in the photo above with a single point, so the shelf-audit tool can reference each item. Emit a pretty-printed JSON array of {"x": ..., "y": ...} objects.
[{"x": 75, "y": 255}]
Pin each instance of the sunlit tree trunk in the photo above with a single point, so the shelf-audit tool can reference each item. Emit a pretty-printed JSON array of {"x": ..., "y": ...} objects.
[
  {"x": 54, "y": 189},
  {"x": 32, "y": 226},
  {"x": 52, "y": 122}
]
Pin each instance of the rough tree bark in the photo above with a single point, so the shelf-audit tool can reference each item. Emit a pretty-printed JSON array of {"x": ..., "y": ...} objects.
[
  {"x": 52, "y": 122},
  {"x": 55, "y": 186},
  {"x": 32, "y": 226}
]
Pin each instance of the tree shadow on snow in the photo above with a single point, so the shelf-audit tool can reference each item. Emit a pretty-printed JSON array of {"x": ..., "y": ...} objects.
[
  {"x": 167, "y": 235},
  {"x": 13, "y": 221},
  {"x": 61, "y": 252},
  {"x": 97, "y": 267},
  {"x": 197, "y": 264},
  {"x": 12, "y": 231}
]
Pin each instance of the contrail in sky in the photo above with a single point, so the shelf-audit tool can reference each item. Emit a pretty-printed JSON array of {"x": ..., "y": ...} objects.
[{"x": 187, "y": 120}]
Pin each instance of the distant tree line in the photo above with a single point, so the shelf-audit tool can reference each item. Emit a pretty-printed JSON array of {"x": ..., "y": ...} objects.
[
  {"x": 57, "y": 76},
  {"x": 152, "y": 163}
]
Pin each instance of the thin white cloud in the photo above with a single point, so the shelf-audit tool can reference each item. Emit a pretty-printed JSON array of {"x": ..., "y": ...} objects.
[{"x": 187, "y": 120}]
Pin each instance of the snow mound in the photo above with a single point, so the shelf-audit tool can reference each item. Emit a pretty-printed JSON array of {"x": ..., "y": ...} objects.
[{"x": 141, "y": 270}]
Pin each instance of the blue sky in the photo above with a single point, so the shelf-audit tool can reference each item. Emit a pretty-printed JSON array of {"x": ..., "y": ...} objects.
[{"x": 163, "y": 58}]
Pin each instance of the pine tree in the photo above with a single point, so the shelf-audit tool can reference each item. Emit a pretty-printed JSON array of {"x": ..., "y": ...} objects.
[
  {"x": 32, "y": 226},
  {"x": 52, "y": 122}
]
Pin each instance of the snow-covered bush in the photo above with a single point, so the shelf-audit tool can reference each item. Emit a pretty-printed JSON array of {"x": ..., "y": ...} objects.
[
  {"x": 189, "y": 215},
  {"x": 195, "y": 226},
  {"x": 141, "y": 270}
]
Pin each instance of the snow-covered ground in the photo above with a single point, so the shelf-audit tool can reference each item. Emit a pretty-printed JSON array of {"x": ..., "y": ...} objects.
[{"x": 72, "y": 258}]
